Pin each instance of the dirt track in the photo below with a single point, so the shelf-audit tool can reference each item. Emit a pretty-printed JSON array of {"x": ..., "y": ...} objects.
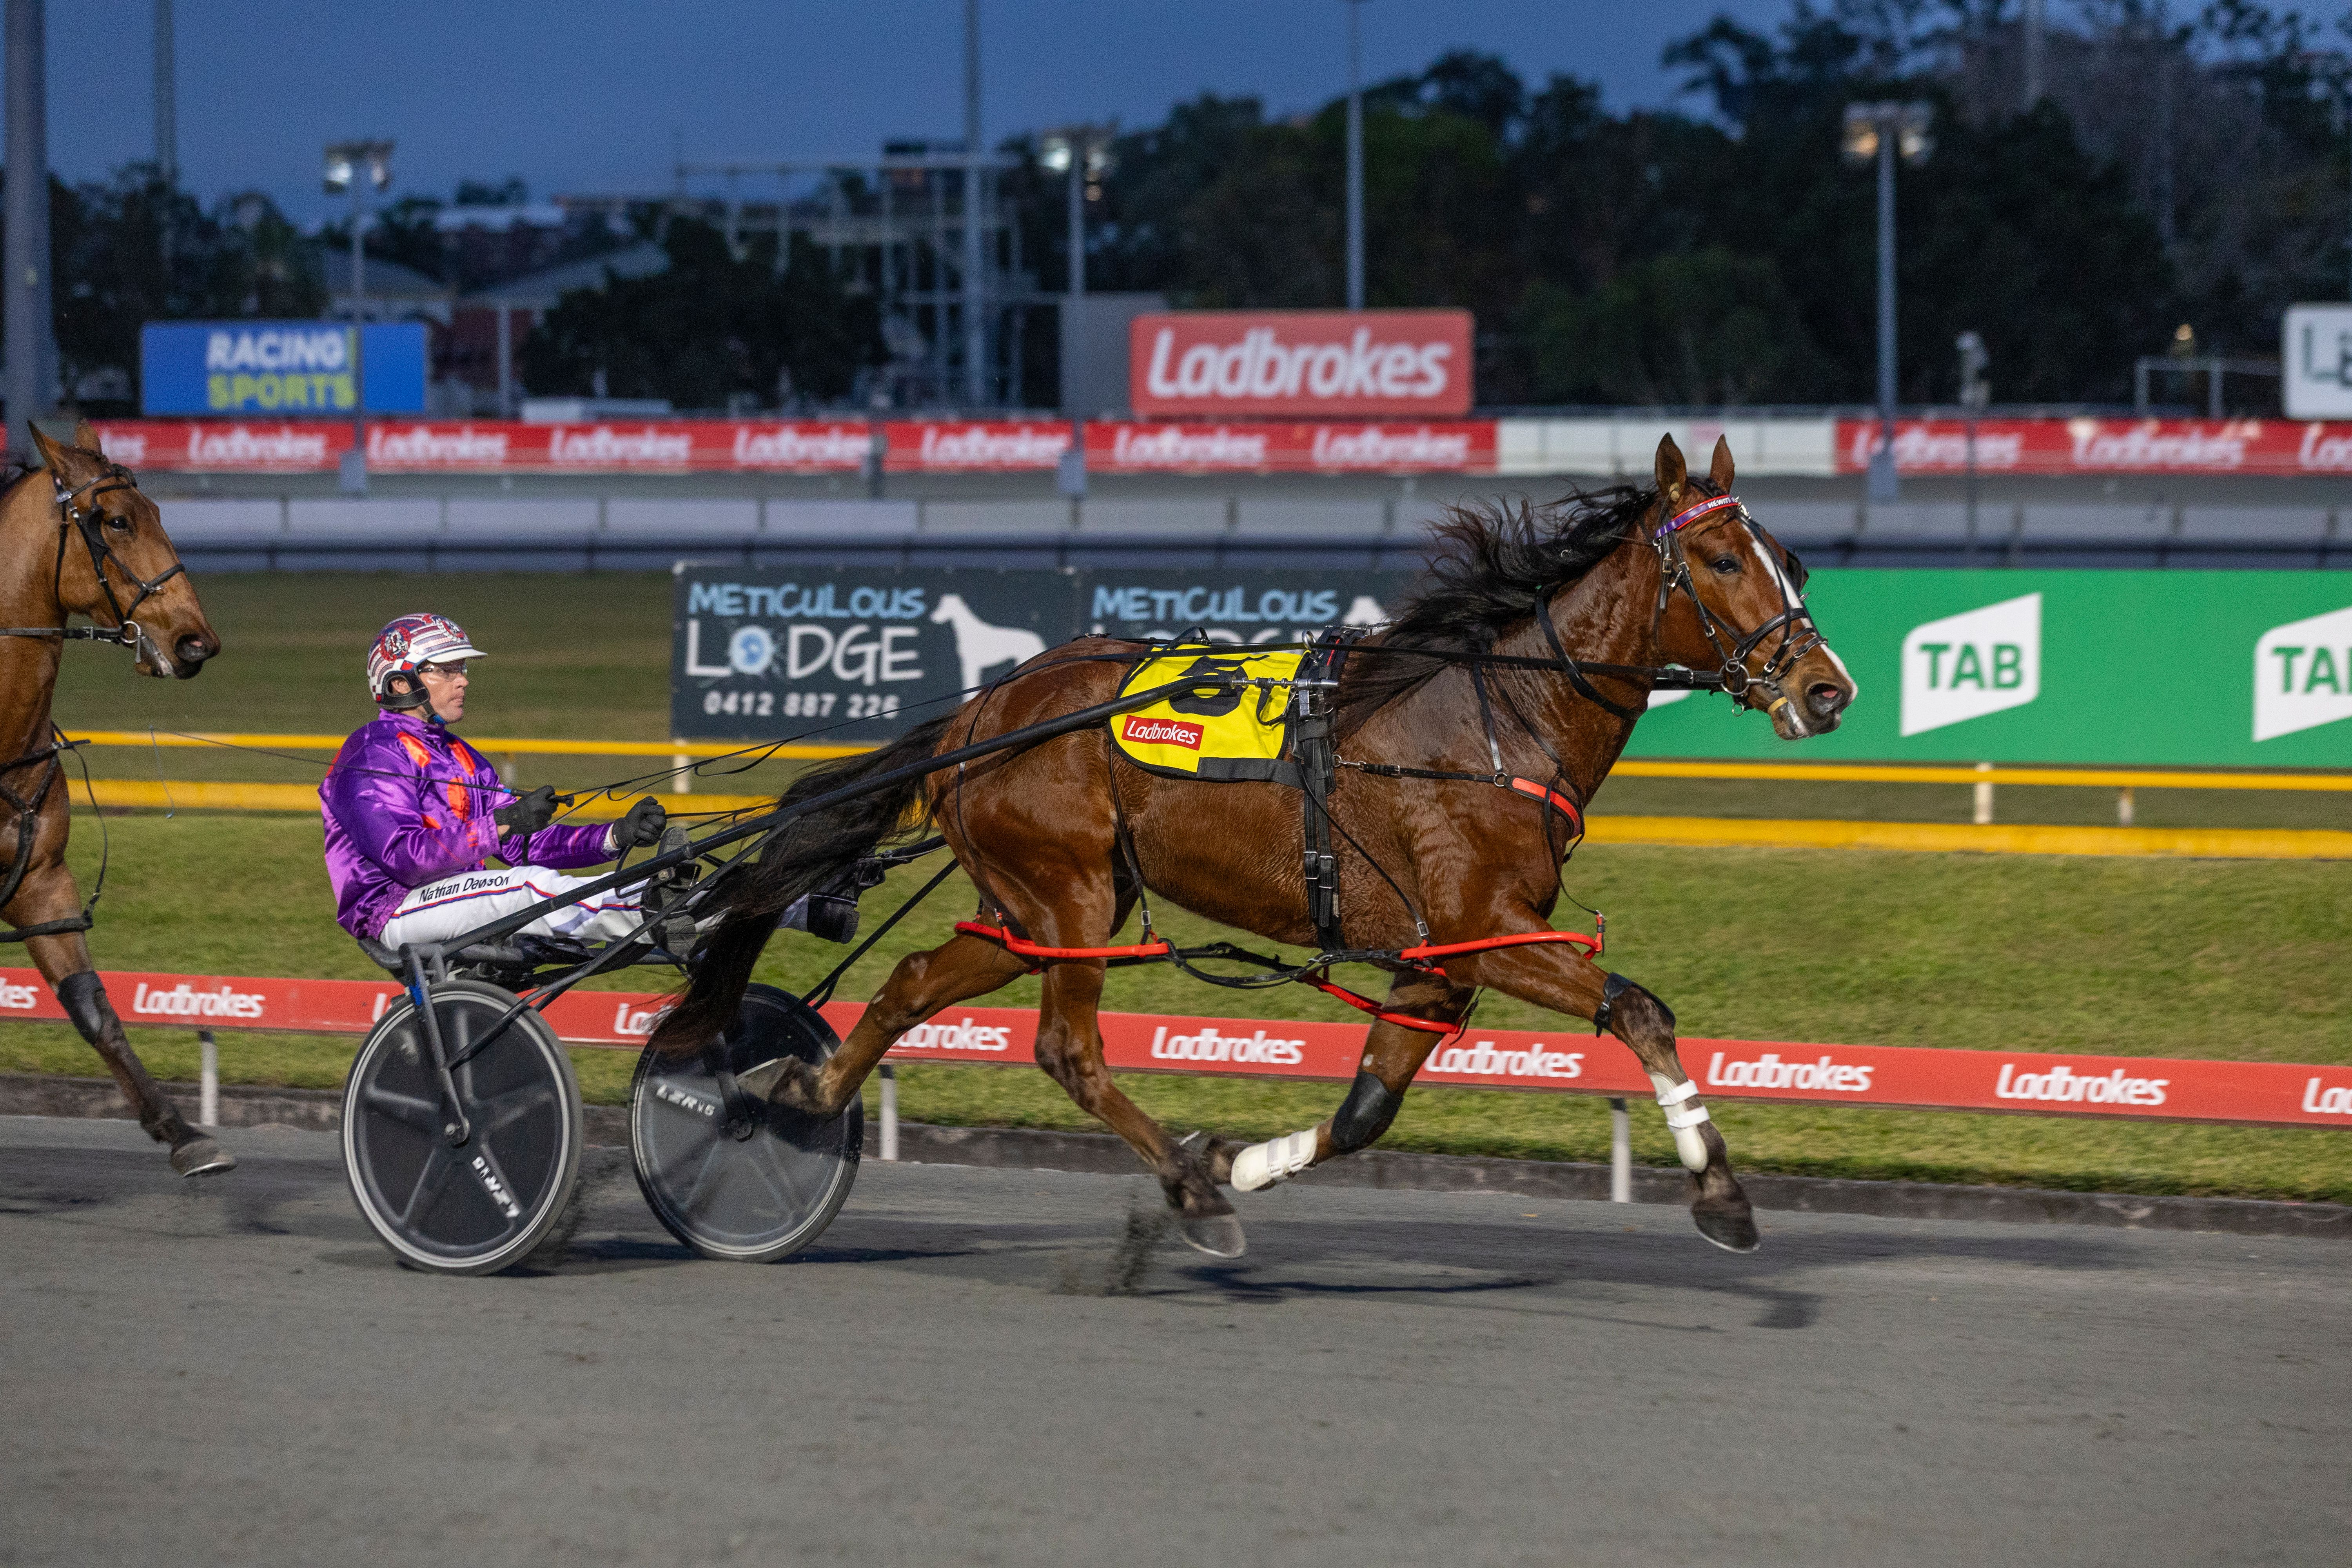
[{"x": 996, "y": 1366}]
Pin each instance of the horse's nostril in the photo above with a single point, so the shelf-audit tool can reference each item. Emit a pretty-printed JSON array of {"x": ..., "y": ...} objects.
[
  {"x": 193, "y": 649},
  {"x": 1826, "y": 697}
]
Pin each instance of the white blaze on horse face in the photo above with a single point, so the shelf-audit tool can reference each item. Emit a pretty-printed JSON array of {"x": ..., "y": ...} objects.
[
  {"x": 1682, "y": 1123},
  {"x": 1790, "y": 598},
  {"x": 1262, "y": 1164}
]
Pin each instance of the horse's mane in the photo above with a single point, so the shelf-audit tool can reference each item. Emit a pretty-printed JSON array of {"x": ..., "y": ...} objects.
[{"x": 1491, "y": 563}]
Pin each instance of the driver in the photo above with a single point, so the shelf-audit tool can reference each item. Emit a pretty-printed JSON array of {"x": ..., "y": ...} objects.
[{"x": 412, "y": 813}]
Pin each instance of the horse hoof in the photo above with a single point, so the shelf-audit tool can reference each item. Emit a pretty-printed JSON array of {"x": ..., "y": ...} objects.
[
  {"x": 1218, "y": 1235},
  {"x": 200, "y": 1156},
  {"x": 760, "y": 1082},
  {"x": 1732, "y": 1229}
]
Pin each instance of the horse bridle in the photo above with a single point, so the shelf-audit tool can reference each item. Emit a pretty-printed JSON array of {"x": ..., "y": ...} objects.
[
  {"x": 1738, "y": 680},
  {"x": 78, "y": 512}
]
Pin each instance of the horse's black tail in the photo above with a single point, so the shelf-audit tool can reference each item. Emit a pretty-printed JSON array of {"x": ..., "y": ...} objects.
[{"x": 806, "y": 855}]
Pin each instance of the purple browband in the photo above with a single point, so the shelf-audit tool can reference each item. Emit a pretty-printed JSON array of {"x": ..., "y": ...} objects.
[{"x": 1681, "y": 519}]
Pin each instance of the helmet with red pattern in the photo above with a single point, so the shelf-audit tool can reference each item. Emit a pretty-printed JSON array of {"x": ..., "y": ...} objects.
[{"x": 404, "y": 647}]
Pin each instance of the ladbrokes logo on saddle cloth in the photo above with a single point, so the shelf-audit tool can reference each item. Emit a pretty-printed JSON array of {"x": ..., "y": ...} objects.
[{"x": 1216, "y": 733}]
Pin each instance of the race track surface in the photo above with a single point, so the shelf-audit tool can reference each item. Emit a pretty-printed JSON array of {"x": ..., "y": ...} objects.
[{"x": 976, "y": 1366}]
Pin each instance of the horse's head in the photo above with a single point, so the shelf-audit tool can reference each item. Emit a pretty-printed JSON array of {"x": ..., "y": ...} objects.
[
  {"x": 114, "y": 562},
  {"x": 1731, "y": 598}
]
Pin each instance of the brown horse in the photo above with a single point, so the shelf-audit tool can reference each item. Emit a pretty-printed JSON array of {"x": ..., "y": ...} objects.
[
  {"x": 1056, "y": 836},
  {"x": 78, "y": 538}
]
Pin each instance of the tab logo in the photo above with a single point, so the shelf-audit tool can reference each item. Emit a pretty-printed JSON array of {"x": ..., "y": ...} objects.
[
  {"x": 2302, "y": 675},
  {"x": 1966, "y": 666}
]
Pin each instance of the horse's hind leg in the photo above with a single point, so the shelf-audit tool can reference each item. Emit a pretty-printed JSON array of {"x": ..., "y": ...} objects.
[
  {"x": 1070, "y": 1049},
  {"x": 1568, "y": 981},
  {"x": 64, "y": 962},
  {"x": 1393, "y": 1054}
]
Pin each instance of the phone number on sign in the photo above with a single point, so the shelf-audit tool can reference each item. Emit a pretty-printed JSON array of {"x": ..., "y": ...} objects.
[{"x": 797, "y": 704}]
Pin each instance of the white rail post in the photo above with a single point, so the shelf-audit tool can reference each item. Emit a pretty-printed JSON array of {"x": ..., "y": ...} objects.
[
  {"x": 681, "y": 780},
  {"x": 2124, "y": 810},
  {"x": 889, "y": 1112},
  {"x": 208, "y": 1080},
  {"x": 1620, "y": 1153},
  {"x": 1984, "y": 797}
]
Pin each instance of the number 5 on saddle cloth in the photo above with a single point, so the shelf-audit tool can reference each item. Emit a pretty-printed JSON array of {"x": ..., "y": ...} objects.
[{"x": 1276, "y": 729}]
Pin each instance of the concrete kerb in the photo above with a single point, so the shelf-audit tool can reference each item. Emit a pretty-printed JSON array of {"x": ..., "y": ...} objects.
[{"x": 1100, "y": 1153}]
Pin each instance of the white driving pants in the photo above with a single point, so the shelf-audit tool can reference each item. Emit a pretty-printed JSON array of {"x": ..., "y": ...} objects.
[{"x": 439, "y": 910}]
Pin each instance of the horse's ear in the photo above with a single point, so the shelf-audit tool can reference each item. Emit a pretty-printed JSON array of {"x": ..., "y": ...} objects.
[
  {"x": 53, "y": 456},
  {"x": 86, "y": 437},
  {"x": 1718, "y": 472},
  {"x": 1673, "y": 473}
]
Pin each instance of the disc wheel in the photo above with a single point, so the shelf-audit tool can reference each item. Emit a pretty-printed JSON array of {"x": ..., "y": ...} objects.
[
  {"x": 488, "y": 1204},
  {"x": 751, "y": 1183}
]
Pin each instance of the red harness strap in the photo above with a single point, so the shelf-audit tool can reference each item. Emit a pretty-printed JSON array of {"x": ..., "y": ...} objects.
[
  {"x": 1022, "y": 947},
  {"x": 1592, "y": 944},
  {"x": 1553, "y": 798},
  {"x": 1366, "y": 1004}
]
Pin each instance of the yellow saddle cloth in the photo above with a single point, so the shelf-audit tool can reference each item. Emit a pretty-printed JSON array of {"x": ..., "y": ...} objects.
[{"x": 1217, "y": 732}]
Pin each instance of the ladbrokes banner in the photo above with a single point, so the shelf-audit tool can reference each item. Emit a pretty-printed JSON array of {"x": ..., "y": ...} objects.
[
  {"x": 2104, "y": 445},
  {"x": 2151, "y": 669},
  {"x": 1562, "y": 1061},
  {"x": 1393, "y": 364}
]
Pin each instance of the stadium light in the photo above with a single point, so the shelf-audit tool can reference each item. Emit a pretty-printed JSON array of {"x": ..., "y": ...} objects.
[
  {"x": 1877, "y": 133},
  {"x": 355, "y": 168},
  {"x": 1081, "y": 153}
]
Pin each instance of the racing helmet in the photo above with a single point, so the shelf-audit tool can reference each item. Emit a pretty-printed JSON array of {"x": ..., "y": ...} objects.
[{"x": 403, "y": 646}]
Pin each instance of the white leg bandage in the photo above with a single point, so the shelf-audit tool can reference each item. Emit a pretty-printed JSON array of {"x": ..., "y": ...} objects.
[
  {"x": 1262, "y": 1164},
  {"x": 1684, "y": 1124}
]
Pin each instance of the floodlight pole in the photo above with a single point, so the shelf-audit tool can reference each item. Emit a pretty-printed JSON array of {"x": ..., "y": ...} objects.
[
  {"x": 1884, "y": 486},
  {"x": 975, "y": 320},
  {"x": 1071, "y": 478},
  {"x": 32, "y": 349},
  {"x": 354, "y": 464},
  {"x": 167, "y": 128},
  {"x": 1355, "y": 154}
]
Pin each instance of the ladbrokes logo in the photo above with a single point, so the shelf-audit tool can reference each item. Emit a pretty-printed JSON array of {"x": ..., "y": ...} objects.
[
  {"x": 18, "y": 998},
  {"x": 1208, "y": 1046},
  {"x": 184, "y": 1001},
  {"x": 2319, "y": 1102},
  {"x": 2061, "y": 1085},
  {"x": 1160, "y": 732},
  {"x": 1486, "y": 1059},
  {"x": 1966, "y": 666},
  {"x": 966, "y": 1036},
  {"x": 1414, "y": 364},
  {"x": 2302, "y": 675},
  {"x": 1768, "y": 1071}
]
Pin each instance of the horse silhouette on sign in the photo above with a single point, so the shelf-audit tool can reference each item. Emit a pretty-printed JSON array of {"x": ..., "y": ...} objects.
[{"x": 980, "y": 647}]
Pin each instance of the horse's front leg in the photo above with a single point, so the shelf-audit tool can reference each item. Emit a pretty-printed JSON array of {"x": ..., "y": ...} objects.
[
  {"x": 1393, "y": 1054},
  {"x": 49, "y": 894},
  {"x": 1564, "y": 980}
]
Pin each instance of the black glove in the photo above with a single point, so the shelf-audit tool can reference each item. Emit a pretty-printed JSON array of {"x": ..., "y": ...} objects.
[
  {"x": 527, "y": 813},
  {"x": 641, "y": 825}
]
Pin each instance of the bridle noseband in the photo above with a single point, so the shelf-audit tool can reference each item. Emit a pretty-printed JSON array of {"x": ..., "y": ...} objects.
[
  {"x": 78, "y": 512},
  {"x": 1735, "y": 679}
]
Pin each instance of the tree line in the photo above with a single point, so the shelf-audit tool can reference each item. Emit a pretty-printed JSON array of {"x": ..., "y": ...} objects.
[{"x": 2172, "y": 174}]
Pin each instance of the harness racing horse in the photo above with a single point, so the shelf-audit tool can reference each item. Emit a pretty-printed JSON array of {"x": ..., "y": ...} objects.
[
  {"x": 1471, "y": 686},
  {"x": 78, "y": 538}
]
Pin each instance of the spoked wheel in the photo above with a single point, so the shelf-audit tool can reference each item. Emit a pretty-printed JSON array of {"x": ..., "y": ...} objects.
[
  {"x": 486, "y": 1204},
  {"x": 739, "y": 1180}
]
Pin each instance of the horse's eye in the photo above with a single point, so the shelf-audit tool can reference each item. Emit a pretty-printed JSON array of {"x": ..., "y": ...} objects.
[
  {"x": 120, "y": 524},
  {"x": 1725, "y": 565}
]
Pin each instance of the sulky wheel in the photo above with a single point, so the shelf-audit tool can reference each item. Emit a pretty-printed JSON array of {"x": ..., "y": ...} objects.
[
  {"x": 739, "y": 1179},
  {"x": 487, "y": 1203}
]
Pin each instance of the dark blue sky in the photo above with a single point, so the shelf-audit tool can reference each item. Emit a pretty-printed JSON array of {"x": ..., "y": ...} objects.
[{"x": 586, "y": 95}]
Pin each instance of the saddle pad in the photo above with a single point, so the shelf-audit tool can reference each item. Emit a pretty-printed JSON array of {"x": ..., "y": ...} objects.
[{"x": 1213, "y": 733}]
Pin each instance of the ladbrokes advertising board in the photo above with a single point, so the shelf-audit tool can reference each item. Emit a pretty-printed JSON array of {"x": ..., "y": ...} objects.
[{"x": 1221, "y": 364}]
